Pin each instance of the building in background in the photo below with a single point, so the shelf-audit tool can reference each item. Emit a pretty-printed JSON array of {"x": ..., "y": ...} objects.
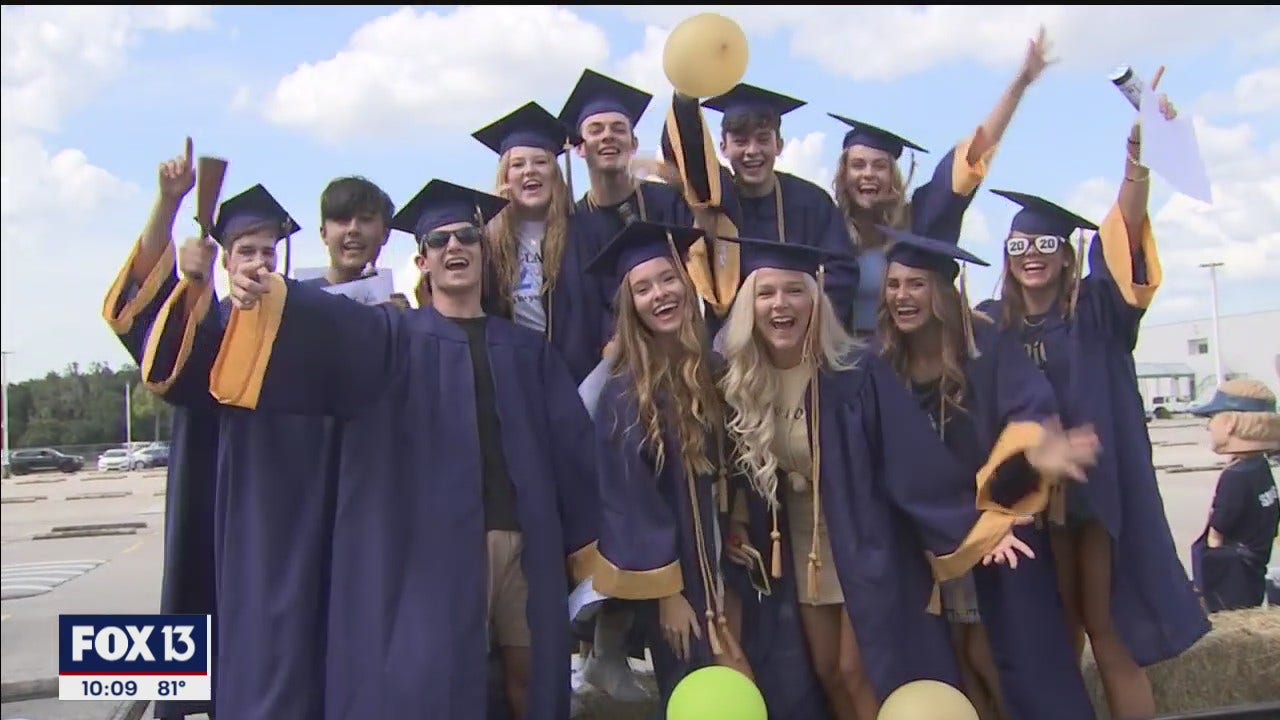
[{"x": 1175, "y": 360}]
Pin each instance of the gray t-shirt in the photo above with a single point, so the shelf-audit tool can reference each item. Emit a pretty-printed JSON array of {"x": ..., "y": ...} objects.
[{"x": 527, "y": 294}]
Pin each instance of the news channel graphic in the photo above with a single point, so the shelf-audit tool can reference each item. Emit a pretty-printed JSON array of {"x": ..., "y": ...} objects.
[{"x": 134, "y": 657}]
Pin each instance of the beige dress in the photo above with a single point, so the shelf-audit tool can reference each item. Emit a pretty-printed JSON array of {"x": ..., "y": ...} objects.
[{"x": 791, "y": 447}]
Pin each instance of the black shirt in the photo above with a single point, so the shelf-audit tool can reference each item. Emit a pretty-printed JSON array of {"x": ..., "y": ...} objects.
[
  {"x": 1245, "y": 506},
  {"x": 499, "y": 493}
]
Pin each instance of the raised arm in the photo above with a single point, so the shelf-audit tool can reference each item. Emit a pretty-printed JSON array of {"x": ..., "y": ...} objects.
[
  {"x": 1124, "y": 263},
  {"x": 577, "y": 485},
  {"x": 298, "y": 349},
  {"x": 938, "y": 206},
  {"x": 639, "y": 541},
  {"x": 148, "y": 276}
]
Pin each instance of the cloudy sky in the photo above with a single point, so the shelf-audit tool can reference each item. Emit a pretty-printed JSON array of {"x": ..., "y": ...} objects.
[{"x": 94, "y": 98}]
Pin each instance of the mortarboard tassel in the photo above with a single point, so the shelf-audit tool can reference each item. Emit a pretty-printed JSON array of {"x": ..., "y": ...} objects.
[
  {"x": 568, "y": 173},
  {"x": 1076, "y": 274},
  {"x": 966, "y": 313},
  {"x": 776, "y": 538},
  {"x": 815, "y": 470}
]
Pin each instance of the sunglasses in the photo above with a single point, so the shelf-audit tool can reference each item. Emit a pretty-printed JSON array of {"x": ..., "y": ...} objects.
[
  {"x": 437, "y": 239},
  {"x": 1045, "y": 244}
]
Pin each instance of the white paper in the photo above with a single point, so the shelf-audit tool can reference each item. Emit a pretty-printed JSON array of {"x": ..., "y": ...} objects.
[
  {"x": 371, "y": 290},
  {"x": 1169, "y": 147},
  {"x": 584, "y": 601}
]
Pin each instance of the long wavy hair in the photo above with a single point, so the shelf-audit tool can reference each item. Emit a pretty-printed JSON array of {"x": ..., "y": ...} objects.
[
  {"x": 945, "y": 304},
  {"x": 1013, "y": 306},
  {"x": 505, "y": 246},
  {"x": 861, "y": 223},
  {"x": 678, "y": 379},
  {"x": 751, "y": 383}
]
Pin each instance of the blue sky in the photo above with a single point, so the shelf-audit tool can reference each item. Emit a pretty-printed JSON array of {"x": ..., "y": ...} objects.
[{"x": 95, "y": 99}]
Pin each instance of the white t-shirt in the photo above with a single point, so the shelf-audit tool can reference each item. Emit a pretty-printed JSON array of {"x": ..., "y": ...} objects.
[{"x": 527, "y": 294}]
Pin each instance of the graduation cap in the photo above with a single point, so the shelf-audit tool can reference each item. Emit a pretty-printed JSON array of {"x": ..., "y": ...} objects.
[
  {"x": 757, "y": 254},
  {"x": 744, "y": 99},
  {"x": 530, "y": 125},
  {"x": 252, "y": 208},
  {"x": 596, "y": 93},
  {"x": 642, "y": 241},
  {"x": 872, "y": 136},
  {"x": 1041, "y": 217},
  {"x": 925, "y": 253},
  {"x": 442, "y": 203}
]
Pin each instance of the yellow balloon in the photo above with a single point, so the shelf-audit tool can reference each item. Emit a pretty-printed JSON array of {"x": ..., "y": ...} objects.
[
  {"x": 705, "y": 56},
  {"x": 927, "y": 700}
]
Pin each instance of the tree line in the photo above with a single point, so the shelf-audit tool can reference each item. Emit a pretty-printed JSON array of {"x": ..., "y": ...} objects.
[{"x": 84, "y": 407}]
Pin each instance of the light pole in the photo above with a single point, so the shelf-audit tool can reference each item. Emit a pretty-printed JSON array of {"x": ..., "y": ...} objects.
[
  {"x": 1217, "y": 337},
  {"x": 4, "y": 380}
]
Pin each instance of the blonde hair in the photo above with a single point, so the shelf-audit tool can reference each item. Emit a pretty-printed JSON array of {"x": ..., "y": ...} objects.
[
  {"x": 861, "y": 223},
  {"x": 682, "y": 375},
  {"x": 947, "y": 308},
  {"x": 504, "y": 252},
  {"x": 751, "y": 383}
]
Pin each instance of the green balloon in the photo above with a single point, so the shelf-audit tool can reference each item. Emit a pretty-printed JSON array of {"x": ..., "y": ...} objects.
[{"x": 716, "y": 692}]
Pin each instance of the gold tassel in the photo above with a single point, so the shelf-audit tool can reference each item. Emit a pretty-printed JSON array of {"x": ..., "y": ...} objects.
[
  {"x": 776, "y": 537},
  {"x": 568, "y": 173},
  {"x": 966, "y": 312},
  {"x": 722, "y": 488},
  {"x": 1058, "y": 503},
  {"x": 935, "y": 600},
  {"x": 1077, "y": 274},
  {"x": 713, "y": 638}
]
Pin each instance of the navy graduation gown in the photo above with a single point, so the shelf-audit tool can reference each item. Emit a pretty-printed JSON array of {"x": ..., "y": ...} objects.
[
  {"x": 1024, "y": 616},
  {"x": 649, "y": 546},
  {"x": 274, "y": 510},
  {"x": 1089, "y": 361},
  {"x": 937, "y": 211},
  {"x": 408, "y": 622},
  {"x": 577, "y": 315},
  {"x": 187, "y": 581},
  {"x": 886, "y": 504}
]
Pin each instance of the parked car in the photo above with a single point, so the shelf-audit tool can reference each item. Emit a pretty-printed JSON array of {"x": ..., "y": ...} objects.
[
  {"x": 32, "y": 460},
  {"x": 120, "y": 459},
  {"x": 152, "y": 456}
]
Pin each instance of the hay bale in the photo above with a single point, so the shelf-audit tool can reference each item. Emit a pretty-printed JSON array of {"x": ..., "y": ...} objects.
[
  {"x": 1234, "y": 664},
  {"x": 599, "y": 706}
]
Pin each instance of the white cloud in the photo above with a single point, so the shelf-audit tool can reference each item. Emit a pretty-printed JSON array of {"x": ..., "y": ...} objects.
[
  {"x": 891, "y": 42},
  {"x": 411, "y": 70},
  {"x": 57, "y": 204},
  {"x": 643, "y": 68},
  {"x": 1256, "y": 93},
  {"x": 806, "y": 157}
]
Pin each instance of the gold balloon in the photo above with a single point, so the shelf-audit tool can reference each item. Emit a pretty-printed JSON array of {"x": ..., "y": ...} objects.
[
  {"x": 927, "y": 700},
  {"x": 705, "y": 56}
]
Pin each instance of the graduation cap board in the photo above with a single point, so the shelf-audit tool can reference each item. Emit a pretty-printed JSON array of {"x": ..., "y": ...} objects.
[
  {"x": 595, "y": 94},
  {"x": 640, "y": 242},
  {"x": 530, "y": 125},
  {"x": 862, "y": 133},
  {"x": 745, "y": 99},
  {"x": 925, "y": 253},
  {"x": 253, "y": 208},
  {"x": 759, "y": 254},
  {"x": 441, "y": 203}
]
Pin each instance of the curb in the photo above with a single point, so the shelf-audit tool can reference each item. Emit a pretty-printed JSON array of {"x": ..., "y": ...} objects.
[{"x": 20, "y": 690}]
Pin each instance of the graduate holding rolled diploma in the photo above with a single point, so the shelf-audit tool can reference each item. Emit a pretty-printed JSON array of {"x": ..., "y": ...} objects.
[
  {"x": 464, "y": 500},
  {"x": 1121, "y": 578}
]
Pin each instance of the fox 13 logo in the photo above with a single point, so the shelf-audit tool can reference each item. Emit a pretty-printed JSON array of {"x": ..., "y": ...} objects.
[{"x": 140, "y": 657}]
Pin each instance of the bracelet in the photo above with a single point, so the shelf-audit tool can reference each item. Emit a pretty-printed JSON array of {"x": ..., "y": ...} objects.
[{"x": 1133, "y": 159}]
